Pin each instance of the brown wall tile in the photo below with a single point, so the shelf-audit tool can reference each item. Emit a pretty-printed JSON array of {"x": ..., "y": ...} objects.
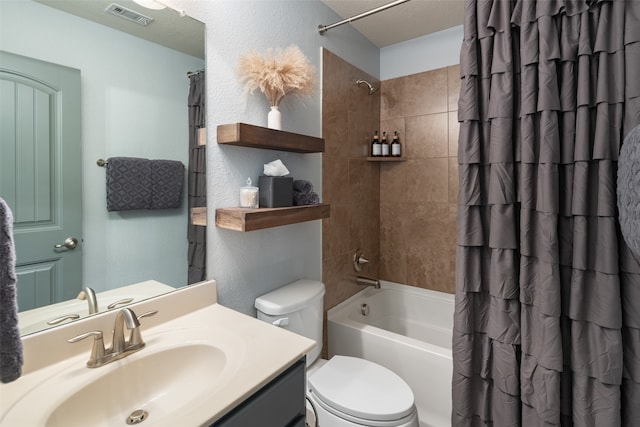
[
  {"x": 334, "y": 238},
  {"x": 418, "y": 197},
  {"x": 427, "y": 180},
  {"x": 402, "y": 214},
  {"x": 393, "y": 182},
  {"x": 391, "y": 98},
  {"x": 427, "y": 136},
  {"x": 454, "y": 130},
  {"x": 335, "y": 178},
  {"x": 427, "y": 254},
  {"x": 424, "y": 93},
  {"x": 453, "y": 87},
  {"x": 453, "y": 180},
  {"x": 350, "y": 183},
  {"x": 393, "y": 241}
]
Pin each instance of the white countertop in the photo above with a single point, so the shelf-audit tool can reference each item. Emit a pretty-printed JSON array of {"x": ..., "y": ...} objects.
[{"x": 267, "y": 351}]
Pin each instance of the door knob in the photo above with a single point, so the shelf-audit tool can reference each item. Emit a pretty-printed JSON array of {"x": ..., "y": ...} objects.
[{"x": 69, "y": 243}]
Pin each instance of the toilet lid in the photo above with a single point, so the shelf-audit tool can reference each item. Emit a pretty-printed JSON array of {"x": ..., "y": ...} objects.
[{"x": 362, "y": 389}]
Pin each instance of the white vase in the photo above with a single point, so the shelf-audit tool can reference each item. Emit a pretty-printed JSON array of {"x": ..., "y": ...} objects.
[{"x": 274, "y": 118}]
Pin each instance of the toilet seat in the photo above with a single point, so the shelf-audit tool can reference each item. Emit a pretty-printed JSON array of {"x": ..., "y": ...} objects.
[{"x": 361, "y": 389}]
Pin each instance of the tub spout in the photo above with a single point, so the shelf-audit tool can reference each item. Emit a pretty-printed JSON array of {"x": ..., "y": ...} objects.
[{"x": 368, "y": 282}]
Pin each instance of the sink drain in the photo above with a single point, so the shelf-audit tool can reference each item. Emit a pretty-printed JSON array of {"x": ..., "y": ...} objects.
[{"x": 137, "y": 416}]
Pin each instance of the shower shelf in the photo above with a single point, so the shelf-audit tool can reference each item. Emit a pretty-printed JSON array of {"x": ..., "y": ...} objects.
[
  {"x": 244, "y": 219},
  {"x": 386, "y": 159},
  {"x": 253, "y": 136}
]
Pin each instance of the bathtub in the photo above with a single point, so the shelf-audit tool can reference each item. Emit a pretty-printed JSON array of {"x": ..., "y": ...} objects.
[{"x": 407, "y": 330}]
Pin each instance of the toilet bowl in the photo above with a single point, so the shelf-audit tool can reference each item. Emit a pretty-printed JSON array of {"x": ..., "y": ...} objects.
[
  {"x": 348, "y": 391},
  {"x": 343, "y": 391}
]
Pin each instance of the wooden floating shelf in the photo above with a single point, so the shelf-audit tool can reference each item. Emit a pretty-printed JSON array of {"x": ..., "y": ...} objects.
[
  {"x": 201, "y": 137},
  {"x": 386, "y": 159},
  {"x": 199, "y": 216},
  {"x": 246, "y": 135},
  {"x": 244, "y": 219}
]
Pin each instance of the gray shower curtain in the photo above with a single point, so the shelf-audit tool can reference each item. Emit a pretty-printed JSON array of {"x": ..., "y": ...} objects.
[
  {"x": 197, "y": 184},
  {"x": 547, "y": 318}
]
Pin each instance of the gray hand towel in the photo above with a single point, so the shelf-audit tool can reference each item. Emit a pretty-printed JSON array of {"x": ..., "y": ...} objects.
[
  {"x": 302, "y": 186},
  {"x": 304, "y": 199},
  {"x": 167, "y": 183},
  {"x": 628, "y": 190},
  {"x": 10, "y": 344},
  {"x": 128, "y": 183}
]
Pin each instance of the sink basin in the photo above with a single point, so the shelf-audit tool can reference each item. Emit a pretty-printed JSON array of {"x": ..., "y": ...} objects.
[
  {"x": 165, "y": 379},
  {"x": 158, "y": 384}
]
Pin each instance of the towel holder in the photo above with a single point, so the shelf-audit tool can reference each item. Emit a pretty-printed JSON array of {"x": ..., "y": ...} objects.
[{"x": 102, "y": 162}]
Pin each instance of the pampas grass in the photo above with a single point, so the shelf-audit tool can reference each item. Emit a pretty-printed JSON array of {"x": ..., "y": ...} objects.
[{"x": 277, "y": 73}]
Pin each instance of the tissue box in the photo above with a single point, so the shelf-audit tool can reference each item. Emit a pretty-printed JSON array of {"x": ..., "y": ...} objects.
[{"x": 275, "y": 191}]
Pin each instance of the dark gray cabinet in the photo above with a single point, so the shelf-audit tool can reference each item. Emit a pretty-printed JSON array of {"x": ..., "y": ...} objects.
[{"x": 281, "y": 403}]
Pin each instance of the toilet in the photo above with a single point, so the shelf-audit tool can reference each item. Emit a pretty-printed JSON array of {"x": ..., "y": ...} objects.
[{"x": 343, "y": 391}]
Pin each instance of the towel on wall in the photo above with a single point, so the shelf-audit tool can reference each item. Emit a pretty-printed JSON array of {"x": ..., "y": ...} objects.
[
  {"x": 167, "y": 182},
  {"x": 628, "y": 190},
  {"x": 135, "y": 183},
  {"x": 128, "y": 183},
  {"x": 10, "y": 344}
]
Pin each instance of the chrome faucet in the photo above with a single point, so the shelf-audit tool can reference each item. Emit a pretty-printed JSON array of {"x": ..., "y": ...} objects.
[
  {"x": 125, "y": 317},
  {"x": 121, "y": 346},
  {"x": 368, "y": 282},
  {"x": 90, "y": 295}
]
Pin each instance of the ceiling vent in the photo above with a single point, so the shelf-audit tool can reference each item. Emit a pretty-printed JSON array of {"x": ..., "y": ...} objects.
[{"x": 128, "y": 14}]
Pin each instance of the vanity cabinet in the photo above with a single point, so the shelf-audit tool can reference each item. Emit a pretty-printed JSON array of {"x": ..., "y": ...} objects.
[
  {"x": 243, "y": 219},
  {"x": 280, "y": 403}
]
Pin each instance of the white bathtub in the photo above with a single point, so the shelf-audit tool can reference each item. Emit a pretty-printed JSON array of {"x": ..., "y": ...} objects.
[{"x": 407, "y": 330}]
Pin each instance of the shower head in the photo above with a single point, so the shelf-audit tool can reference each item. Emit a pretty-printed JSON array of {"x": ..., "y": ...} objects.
[{"x": 372, "y": 88}]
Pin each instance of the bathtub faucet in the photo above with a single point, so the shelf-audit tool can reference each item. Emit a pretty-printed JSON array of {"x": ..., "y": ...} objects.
[{"x": 368, "y": 282}]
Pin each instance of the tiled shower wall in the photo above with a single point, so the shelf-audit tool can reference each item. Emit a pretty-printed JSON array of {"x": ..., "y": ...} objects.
[
  {"x": 350, "y": 183},
  {"x": 401, "y": 214},
  {"x": 418, "y": 197}
]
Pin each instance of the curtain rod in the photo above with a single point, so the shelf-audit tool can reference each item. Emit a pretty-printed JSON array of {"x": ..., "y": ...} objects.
[
  {"x": 193, "y": 73},
  {"x": 324, "y": 28}
]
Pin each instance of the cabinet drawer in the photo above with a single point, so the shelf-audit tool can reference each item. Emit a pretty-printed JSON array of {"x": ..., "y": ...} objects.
[{"x": 279, "y": 403}]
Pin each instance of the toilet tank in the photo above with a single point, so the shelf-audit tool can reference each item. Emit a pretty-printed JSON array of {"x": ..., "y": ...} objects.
[{"x": 296, "y": 307}]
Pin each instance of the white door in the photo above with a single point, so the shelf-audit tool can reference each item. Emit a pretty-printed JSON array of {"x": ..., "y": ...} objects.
[{"x": 40, "y": 176}]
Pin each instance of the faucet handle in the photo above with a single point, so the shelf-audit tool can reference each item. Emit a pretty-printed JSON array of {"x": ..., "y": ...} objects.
[
  {"x": 97, "y": 356},
  {"x": 119, "y": 302},
  {"x": 148, "y": 314},
  {"x": 136, "y": 338}
]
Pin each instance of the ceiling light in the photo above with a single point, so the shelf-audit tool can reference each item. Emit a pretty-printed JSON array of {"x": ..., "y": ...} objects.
[{"x": 150, "y": 4}]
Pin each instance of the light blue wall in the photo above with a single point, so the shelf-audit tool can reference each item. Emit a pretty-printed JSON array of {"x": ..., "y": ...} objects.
[
  {"x": 247, "y": 265},
  {"x": 425, "y": 53},
  {"x": 137, "y": 109}
]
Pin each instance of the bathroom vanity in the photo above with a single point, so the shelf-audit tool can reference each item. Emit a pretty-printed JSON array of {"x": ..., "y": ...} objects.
[
  {"x": 203, "y": 365},
  {"x": 279, "y": 403}
]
